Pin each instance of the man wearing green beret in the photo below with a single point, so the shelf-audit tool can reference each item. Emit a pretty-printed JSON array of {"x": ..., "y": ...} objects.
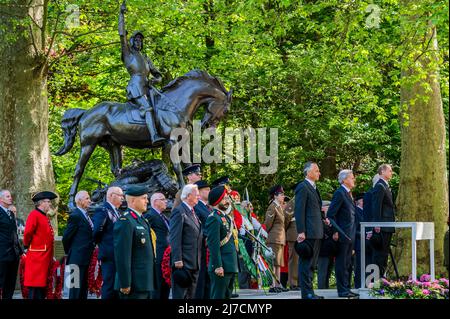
[
  {"x": 133, "y": 248},
  {"x": 223, "y": 262}
]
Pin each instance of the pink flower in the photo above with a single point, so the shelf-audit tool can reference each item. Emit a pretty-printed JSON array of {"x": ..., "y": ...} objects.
[
  {"x": 425, "y": 277},
  {"x": 409, "y": 292},
  {"x": 426, "y": 292},
  {"x": 426, "y": 284}
]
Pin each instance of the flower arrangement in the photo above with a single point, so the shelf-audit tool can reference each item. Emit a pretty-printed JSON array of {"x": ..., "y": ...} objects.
[
  {"x": 424, "y": 288},
  {"x": 95, "y": 279}
]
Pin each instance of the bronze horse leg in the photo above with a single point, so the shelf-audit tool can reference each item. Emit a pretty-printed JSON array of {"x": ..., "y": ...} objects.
[
  {"x": 115, "y": 154},
  {"x": 85, "y": 154},
  {"x": 176, "y": 165}
]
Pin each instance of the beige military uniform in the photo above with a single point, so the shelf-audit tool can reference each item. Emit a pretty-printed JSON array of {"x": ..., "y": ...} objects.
[{"x": 276, "y": 228}]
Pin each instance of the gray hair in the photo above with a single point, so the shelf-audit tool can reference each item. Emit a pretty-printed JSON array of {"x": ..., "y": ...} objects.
[
  {"x": 3, "y": 192},
  {"x": 382, "y": 168},
  {"x": 79, "y": 195},
  {"x": 188, "y": 189},
  {"x": 308, "y": 167},
  {"x": 155, "y": 197},
  {"x": 343, "y": 175},
  {"x": 375, "y": 179}
]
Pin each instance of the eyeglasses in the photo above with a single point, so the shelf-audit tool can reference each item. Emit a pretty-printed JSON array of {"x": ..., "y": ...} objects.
[
  {"x": 163, "y": 199},
  {"x": 120, "y": 195}
]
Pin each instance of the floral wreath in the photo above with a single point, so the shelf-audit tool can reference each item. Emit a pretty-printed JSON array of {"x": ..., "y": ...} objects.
[
  {"x": 165, "y": 266},
  {"x": 95, "y": 282}
]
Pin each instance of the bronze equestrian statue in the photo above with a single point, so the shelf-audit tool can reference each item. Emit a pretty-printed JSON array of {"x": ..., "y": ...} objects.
[{"x": 112, "y": 125}]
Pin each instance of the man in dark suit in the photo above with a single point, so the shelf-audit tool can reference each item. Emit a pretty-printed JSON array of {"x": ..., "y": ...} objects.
[
  {"x": 383, "y": 211},
  {"x": 186, "y": 240},
  {"x": 133, "y": 248},
  {"x": 104, "y": 218},
  {"x": 202, "y": 210},
  {"x": 78, "y": 242},
  {"x": 10, "y": 249},
  {"x": 308, "y": 218},
  {"x": 342, "y": 212},
  {"x": 160, "y": 225}
]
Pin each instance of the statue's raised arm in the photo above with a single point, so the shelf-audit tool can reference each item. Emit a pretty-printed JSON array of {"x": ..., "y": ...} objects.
[{"x": 122, "y": 31}]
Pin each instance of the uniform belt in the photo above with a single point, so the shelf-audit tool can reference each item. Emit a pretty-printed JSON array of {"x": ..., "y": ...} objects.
[{"x": 224, "y": 241}]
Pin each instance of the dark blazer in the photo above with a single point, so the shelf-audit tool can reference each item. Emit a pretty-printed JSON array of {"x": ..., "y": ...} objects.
[
  {"x": 157, "y": 223},
  {"x": 342, "y": 210},
  {"x": 104, "y": 218},
  {"x": 308, "y": 214},
  {"x": 202, "y": 211},
  {"x": 359, "y": 218},
  {"x": 10, "y": 248},
  {"x": 78, "y": 240},
  {"x": 133, "y": 253},
  {"x": 383, "y": 205},
  {"x": 185, "y": 238}
]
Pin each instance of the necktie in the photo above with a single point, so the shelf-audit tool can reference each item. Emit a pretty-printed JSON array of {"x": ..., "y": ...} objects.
[
  {"x": 350, "y": 194},
  {"x": 166, "y": 221},
  {"x": 89, "y": 220},
  {"x": 195, "y": 217},
  {"x": 8, "y": 212}
]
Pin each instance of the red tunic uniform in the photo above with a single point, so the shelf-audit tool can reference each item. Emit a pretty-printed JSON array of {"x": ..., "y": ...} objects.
[{"x": 38, "y": 237}]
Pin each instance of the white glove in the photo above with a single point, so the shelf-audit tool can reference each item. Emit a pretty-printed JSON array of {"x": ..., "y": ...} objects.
[{"x": 242, "y": 231}]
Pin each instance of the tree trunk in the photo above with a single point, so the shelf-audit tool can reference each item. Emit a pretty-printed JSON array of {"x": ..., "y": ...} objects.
[
  {"x": 26, "y": 165},
  {"x": 423, "y": 189}
]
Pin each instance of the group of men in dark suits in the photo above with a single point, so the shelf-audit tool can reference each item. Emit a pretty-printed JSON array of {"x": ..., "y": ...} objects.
[{"x": 340, "y": 221}]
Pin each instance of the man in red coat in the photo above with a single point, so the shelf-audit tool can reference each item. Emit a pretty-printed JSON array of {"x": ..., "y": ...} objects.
[{"x": 38, "y": 239}]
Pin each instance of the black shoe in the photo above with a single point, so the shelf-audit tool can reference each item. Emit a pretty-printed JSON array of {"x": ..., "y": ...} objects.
[
  {"x": 354, "y": 294},
  {"x": 234, "y": 295},
  {"x": 295, "y": 288},
  {"x": 348, "y": 295},
  {"x": 283, "y": 289},
  {"x": 310, "y": 296},
  {"x": 274, "y": 290}
]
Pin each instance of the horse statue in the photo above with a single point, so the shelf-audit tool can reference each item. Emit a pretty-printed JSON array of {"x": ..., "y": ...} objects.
[{"x": 113, "y": 125}]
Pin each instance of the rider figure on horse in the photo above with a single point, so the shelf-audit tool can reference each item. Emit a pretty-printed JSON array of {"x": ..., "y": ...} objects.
[{"x": 139, "y": 89}]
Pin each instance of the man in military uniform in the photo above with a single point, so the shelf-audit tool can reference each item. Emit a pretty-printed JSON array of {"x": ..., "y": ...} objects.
[
  {"x": 133, "y": 248},
  {"x": 193, "y": 174},
  {"x": 139, "y": 66},
  {"x": 223, "y": 262}
]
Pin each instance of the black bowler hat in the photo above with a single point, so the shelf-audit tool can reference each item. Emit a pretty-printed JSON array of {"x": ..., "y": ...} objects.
[
  {"x": 182, "y": 277},
  {"x": 303, "y": 249},
  {"x": 221, "y": 181},
  {"x": 43, "y": 195},
  {"x": 275, "y": 190},
  {"x": 216, "y": 195},
  {"x": 359, "y": 196},
  {"x": 136, "y": 190},
  {"x": 195, "y": 168},
  {"x": 201, "y": 184}
]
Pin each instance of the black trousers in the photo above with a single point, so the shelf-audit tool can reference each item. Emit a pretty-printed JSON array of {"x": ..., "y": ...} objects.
[
  {"x": 162, "y": 288},
  {"x": 37, "y": 293},
  {"x": 380, "y": 256},
  {"x": 109, "y": 275},
  {"x": 82, "y": 291},
  {"x": 342, "y": 268},
  {"x": 185, "y": 293},
  {"x": 306, "y": 268},
  {"x": 8, "y": 276},
  {"x": 324, "y": 269}
]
